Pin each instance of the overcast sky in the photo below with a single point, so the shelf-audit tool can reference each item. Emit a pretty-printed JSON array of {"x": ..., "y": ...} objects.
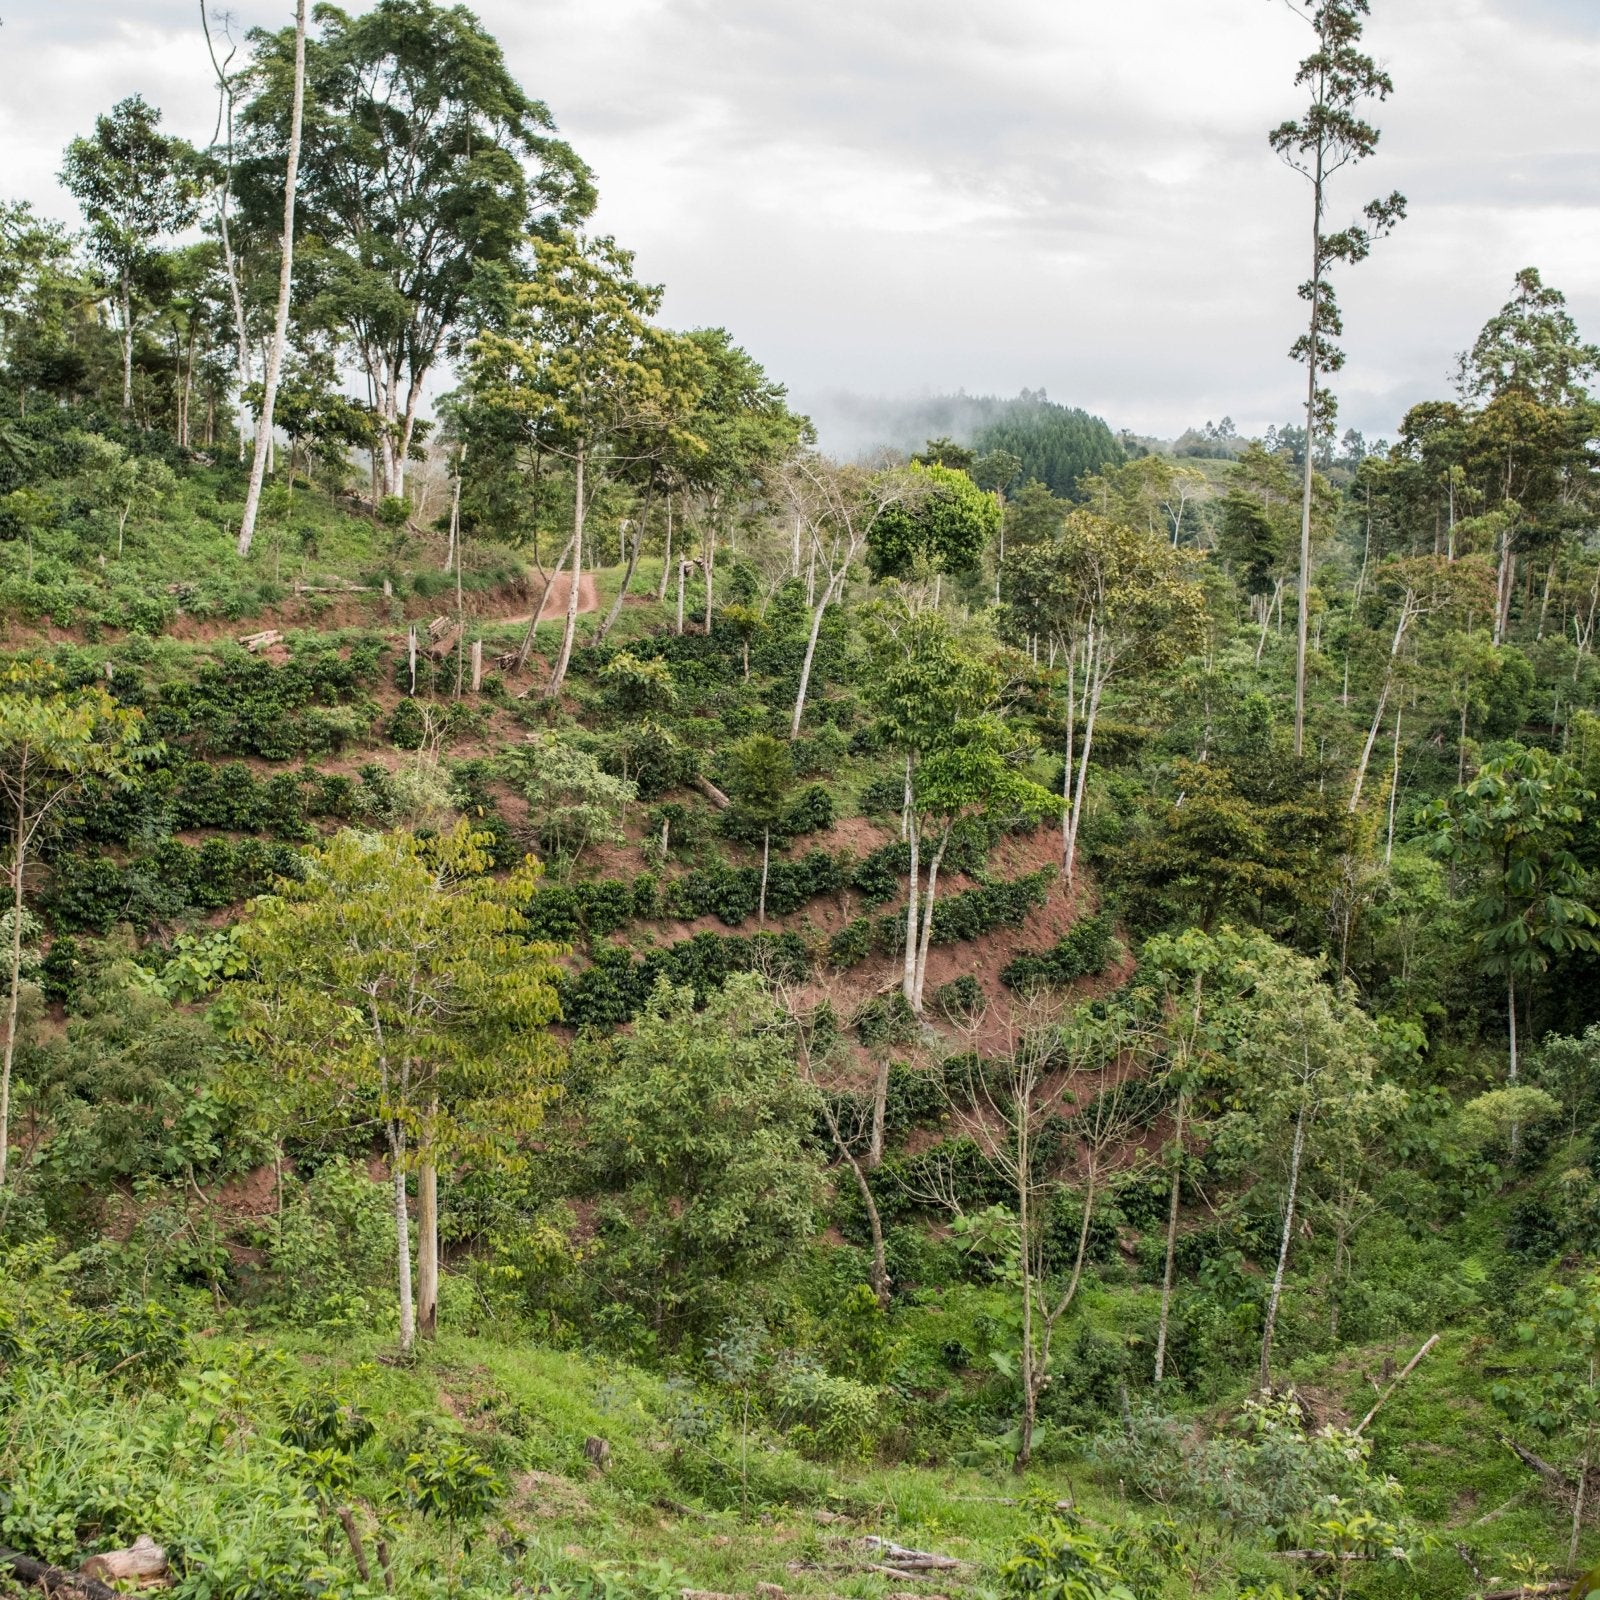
[{"x": 897, "y": 197}]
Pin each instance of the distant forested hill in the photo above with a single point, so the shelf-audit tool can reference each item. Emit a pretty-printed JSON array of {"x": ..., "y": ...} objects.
[{"x": 1057, "y": 444}]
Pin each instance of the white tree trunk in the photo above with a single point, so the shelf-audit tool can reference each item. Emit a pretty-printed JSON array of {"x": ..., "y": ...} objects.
[
  {"x": 1271, "y": 1320},
  {"x": 558, "y": 677},
  {"x": 280, "y": 327},
  {"x": 402, "y": 1228}
]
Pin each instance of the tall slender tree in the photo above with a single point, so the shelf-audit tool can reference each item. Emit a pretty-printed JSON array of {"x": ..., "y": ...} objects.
[
  {"x": 136, "y": 185},
  {"x": 588, "y": 376},
  {"x": 1330, "y": 136},
  {"x": 425, "y": 167},
  {"x": 280, "y": 325}
]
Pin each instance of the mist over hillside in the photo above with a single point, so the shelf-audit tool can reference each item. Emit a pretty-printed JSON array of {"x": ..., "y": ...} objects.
[{"x": 1055, "y": 443}]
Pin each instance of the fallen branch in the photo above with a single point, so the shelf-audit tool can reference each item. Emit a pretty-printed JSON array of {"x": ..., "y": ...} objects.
[
  {"x": 1552, "y": 1475},
  {"x": 1405, "y": 1372},
  {"x": 711, "y": 792},
  {"x": 54, "y": 1580},
  {"x": 1525, "y": 1591},
  {"x": 899, "y": 1556}
]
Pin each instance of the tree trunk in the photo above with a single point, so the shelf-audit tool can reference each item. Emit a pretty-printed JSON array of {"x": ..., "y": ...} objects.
[
  {"x": 666, "y": 559},
  {"x": 710, "y": 558},
  {"x": 627, "y": 577},
  {"x": 1083, "y": 774},
  {"x": 908, "y": 981},
  {"x": 1366, "y": 749},
  {"x": 402, "y": 1228},
  {"x": 428, "y": 1247},
  {"x": 1271, "y": 1320},
  {"x": 1304, "y": 582},
  {"x": 927, "y": 921},
  {"x": 682, "y": 569},
  {"x": 13, "y": 998},
  {"x": 127, "y": 346},
  {"x": 880, "y": 1112},
  {"x": 280, "y": 329},
  {"x": 1394, "y": 788},
  {"x": 1066, "y": 774},
  {"x": 810, "y": 656},
  {"x": 766, "y": 860},
  {"x": 1176, "y": 1181},
  {"x": 558, "y": 677}
]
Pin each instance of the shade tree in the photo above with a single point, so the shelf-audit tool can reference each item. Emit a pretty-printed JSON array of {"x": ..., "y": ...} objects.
[
  {"x": 137, "y": 186},
  {"x": 424, "y": 167},
  {"x": 391, "y": 991}
]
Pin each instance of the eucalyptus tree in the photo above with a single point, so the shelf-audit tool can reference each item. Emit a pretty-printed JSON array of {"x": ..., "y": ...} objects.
[
  {"x": 423, "y": 169},
  {"x": 280, "y": 322},
  {"x": 938, "y": 694},
  {"x": 1330, "y": 136},
  {"x": 589, "y": 377},
  {"x": 136, "y": 186},
  {"x": 1118, "y": 603}
]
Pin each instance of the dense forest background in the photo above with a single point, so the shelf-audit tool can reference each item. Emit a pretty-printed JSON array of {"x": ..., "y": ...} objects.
[{"x": 600, "y": 1002}]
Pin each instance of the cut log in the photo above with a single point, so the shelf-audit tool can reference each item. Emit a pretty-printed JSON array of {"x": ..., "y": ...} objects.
[
  {"x": 144, "y": 1558},
  {"x": 261, "y": 641},
  {"x": 897, "y": 1555},
  {"x": 711, "y": 792},
  {"x": 54, "y": 1580}
]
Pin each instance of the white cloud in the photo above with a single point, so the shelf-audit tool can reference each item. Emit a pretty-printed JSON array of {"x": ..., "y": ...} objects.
[{"x": 883, "y": 196}]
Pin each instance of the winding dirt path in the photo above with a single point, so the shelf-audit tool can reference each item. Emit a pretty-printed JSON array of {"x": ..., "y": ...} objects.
[{"x": 555, "y": 603}]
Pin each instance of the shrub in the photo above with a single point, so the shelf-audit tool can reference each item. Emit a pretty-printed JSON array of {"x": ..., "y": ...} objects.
[{"x": 1086, "y": 949}]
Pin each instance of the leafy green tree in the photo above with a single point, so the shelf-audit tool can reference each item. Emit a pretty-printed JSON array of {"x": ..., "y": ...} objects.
[
  {"x": 583, "y": 369},
  {"x": 1530, "y": 346},
  {"x": 1561, "y": 1397},
  {"x": 936, "y": 694},
  {"x": 124, "y": 485},
  {"x": 760, "y": 777},
  {"x": 698, "y": 1136},
  {"x": 1511, "y": 831},
  {"x": 1295, "y": 1062},
  {"x": 136, "y": 185},
  {"x": 949, "y": 523},
  {"x": 575, "y": 803},
  {"x": 1117, "y": 603},
  {"x": 423, "y": 169},
  {"x": 1256, "y": 530},
  {"x": 392, "y": 988},
  {"x": 53, "y": 741},
  {"x": 1330, "y": 135}
]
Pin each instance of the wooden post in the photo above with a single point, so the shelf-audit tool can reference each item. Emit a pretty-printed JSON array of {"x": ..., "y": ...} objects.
[
  {"x": 477, "y": 665},
  {"x": 411, "y": 656}
]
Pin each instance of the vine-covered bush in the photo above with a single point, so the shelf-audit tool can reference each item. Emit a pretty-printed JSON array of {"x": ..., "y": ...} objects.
[{"x": 1085, "y": 949}]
